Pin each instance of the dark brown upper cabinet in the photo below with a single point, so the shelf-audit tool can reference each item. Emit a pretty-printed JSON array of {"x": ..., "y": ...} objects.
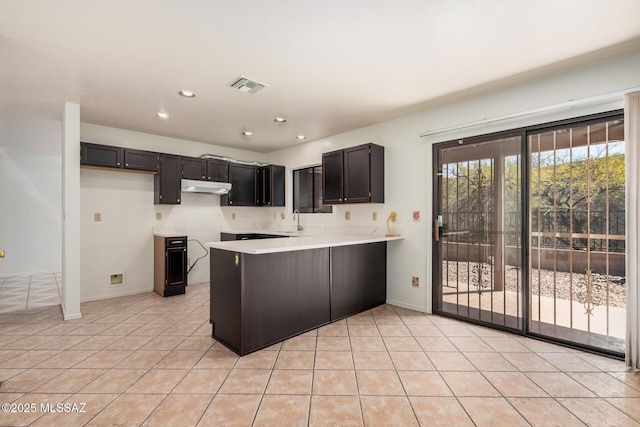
[
  {"x": 101, "y": 155},
  {"x": 244, "y": 188},
  {"x": 353, "y": 175},
  {"x": 217, "y": 170},
  {"x": 194, "y": 168},
  {"x": 271, "y": 185},
  {"x": 167, "y": 183},
  {"x": 141, "y": 160}
]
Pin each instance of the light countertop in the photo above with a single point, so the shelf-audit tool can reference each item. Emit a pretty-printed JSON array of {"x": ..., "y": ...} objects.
[
  {"x": 267, "y": 246},
  {"x": 168, "y": 233}
]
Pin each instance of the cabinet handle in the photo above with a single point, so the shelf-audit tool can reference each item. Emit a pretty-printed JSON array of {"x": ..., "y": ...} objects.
[
  {"x": 237, "y": 259},
  {"x": 178, "y": 199},
  {"x": 126, "y": 164},
  {"x": 118, "y": 164}
]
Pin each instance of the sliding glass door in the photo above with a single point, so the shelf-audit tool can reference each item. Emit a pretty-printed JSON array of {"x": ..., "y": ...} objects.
[{"x": 529, "y": 232}]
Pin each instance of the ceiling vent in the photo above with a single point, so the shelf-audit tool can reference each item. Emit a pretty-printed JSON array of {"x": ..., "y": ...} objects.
[{"x": 247, "y": 86}]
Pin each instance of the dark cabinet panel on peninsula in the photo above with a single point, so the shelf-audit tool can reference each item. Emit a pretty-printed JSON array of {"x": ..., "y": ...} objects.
[
  {"x": 354, "y": 175},
  {"x": 167, "y": 182}
]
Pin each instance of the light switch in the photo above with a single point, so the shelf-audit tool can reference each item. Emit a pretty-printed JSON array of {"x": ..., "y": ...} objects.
[
  {"x": 97, "y": 216},
  {"x": 374, "y": 216},
  {"x": 158, "y": 216},
  {"x": 347, "y": 215},
  {"x": 233, "y": 215}
]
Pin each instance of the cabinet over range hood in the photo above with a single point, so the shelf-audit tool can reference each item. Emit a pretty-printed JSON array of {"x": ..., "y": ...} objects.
[{"x": 208, "y": 187}]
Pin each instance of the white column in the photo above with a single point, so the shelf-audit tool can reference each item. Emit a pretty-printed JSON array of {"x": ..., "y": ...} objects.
[{"x": 71, "y": 212}]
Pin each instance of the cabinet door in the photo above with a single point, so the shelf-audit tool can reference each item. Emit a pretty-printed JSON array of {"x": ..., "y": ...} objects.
[
  {"x": 217, "y": 170},
  {"x": 176, "y": 262},
  {"x": 141, "y": 160},
  {"x": 357, "y": 180},
  {"x": 277, "y": 185},
  {"x": 101, "y": 155},
  {"x": 243, "y": 186},
  {"x": 332, "y": 177},
  {"x": 193, "y": 168},
  {"x": 167, "y": 181}
]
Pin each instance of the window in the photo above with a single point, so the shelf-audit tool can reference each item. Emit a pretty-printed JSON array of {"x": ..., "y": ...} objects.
[{"x": 307, "y": 191}]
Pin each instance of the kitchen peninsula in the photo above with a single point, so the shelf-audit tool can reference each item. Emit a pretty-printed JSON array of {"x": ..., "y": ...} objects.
[{"x": 265, "y": 291}]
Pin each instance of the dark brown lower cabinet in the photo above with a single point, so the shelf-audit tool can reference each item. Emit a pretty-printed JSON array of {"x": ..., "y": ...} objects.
[
  {"x": 259, "y": 300},
  {"x": 170, "y": 265}
]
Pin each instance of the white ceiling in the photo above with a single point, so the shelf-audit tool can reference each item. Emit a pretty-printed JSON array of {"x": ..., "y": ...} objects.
[{"x": 330, "y": 65}]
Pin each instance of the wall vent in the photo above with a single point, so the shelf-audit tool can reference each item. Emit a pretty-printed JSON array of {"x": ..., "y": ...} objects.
[{"x": 245, "y": 85}]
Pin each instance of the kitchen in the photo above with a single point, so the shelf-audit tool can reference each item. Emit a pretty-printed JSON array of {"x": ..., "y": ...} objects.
[{"x": 119, "y": 241}]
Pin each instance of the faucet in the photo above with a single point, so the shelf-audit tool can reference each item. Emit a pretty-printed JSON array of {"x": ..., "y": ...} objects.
[{"x": 300, "y": 228}]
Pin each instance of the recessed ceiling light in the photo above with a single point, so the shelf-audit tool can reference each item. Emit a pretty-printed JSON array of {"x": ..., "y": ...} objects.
[
  {"x": 279, "y": 120},
  {"x": 301, "y": 137},
  {"x": 187, "y": 94},
  {"x": 247, "y": 133},
  {"x": 163, "y": 115}
]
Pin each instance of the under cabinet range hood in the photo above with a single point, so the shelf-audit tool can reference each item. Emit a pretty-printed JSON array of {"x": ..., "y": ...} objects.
[{"x": 208, "y": 187}]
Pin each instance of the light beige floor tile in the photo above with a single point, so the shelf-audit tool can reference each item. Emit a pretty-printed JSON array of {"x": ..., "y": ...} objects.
[
  {"x": 529, "y": 362},
  {"x": 244, "y": 381},
  {"x": 514, "y": 384},
  {"x": 364, "y": 318},
  {"x": 300, "y": 343},
  {"x": 87, "y": 405},
  {"x": 337, "y": 383},
  {"x": 559, "y": 384},
  {"x": 274, "y": 409},
  {"x": 295, "y": 359},
  {"x": 387, "y": 319},
  {"x": 544, "y": 412},
  {"x": 62, "y": 343},
  {"x": 424, "y": 330},
  {"x": 263, "y": 359},
  {"x": 606, "y": 364},
  {"x": 394, "y": 330},
  {"x": 450, "y": 361},
  {"x": 430, "y": 343},
  {"x": 470, "y": 344},
  {"x": 25, "y": 418},
  {"x": 104, "y": 359},
  {"x": 440, "y": 412},
  {"x": 131, "y": 343},
  {"x": 597, "y": 412},
  {"x": 334, "y": 360},
  {"x": 179, "y": 359},
  {"x": 505, "y": 344},
  {"x": 456, "y": 330},
  {"x": 6, "y": 373},
  {"x": 492, "y": 411},
  {"x": 29, "y": 380},
  {"x": 335, "y": 411},
  {"x": 568, "y": 362},
  {"x": 146, "y": 359},
  {"x": 204, "y": 381},
  {"x": 604, "y": 385},
  {"x": 367, "y": 344},
  {"x": 372, "y": 360},
  {"x": 334, "y": 330},
  {"x": 234, "y": 410},
  {"x": 631, "y": 379},
  {"x": 158, "y": 381},
  {"x": 217, "y": 359},
  {"x": 114, "y": 381},
  {"x": 386, "y": 411},
  {"x": 469, "y": 384},
  {"x": 411, "y": 361},
  {"x": 629, "y": 405},
  {"x": 127, "y": 409},
  {"x": 29, "y": 359},
  {"x": 291, "y": 381},
  {"x": 379, "y": 383},
  {"x": 97, "y": 342},
  {"x": 490, "y": 362},
  {"x": 424, "y": 383},
  {"x": 70, "y": 381},
  {"x": 333, "y": 343},
  {"x": 401, "y": 344},
  {"x": 163, "y": 343},
  {"x": 179, "y": 410},
  {"x": 361, "y": 330},
  {"x": 196, "y": 343}
]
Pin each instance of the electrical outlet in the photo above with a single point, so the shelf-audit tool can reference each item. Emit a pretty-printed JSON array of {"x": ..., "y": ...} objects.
[
  {"x": 97, "y": 216},
  {"x": 347, "y": 215},
  {"x": 415, "y": 281},
  {"x": 233, "y": 215},
  {"x": 281, "y": 215},
  {"x": 158, "y": 216},
  {"x": 374, "y": 216}
]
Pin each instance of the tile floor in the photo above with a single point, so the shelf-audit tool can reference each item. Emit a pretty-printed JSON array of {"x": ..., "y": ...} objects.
[
  {"x": 147, "y": 360},
  {"x": 29, "y": 291}
]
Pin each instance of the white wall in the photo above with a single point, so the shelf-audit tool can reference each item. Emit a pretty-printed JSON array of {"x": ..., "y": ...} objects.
[
  {"x": 122, "y": 242},
  {"x": 408, "y": 158},
  {"x": 31, "y": 188}
]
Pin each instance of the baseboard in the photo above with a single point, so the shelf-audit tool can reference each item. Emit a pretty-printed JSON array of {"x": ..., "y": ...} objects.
[
  {"x": 409, "y": 306},
  {"x": 122, "y": 294},
  {"x": 70, "y": 316}
]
